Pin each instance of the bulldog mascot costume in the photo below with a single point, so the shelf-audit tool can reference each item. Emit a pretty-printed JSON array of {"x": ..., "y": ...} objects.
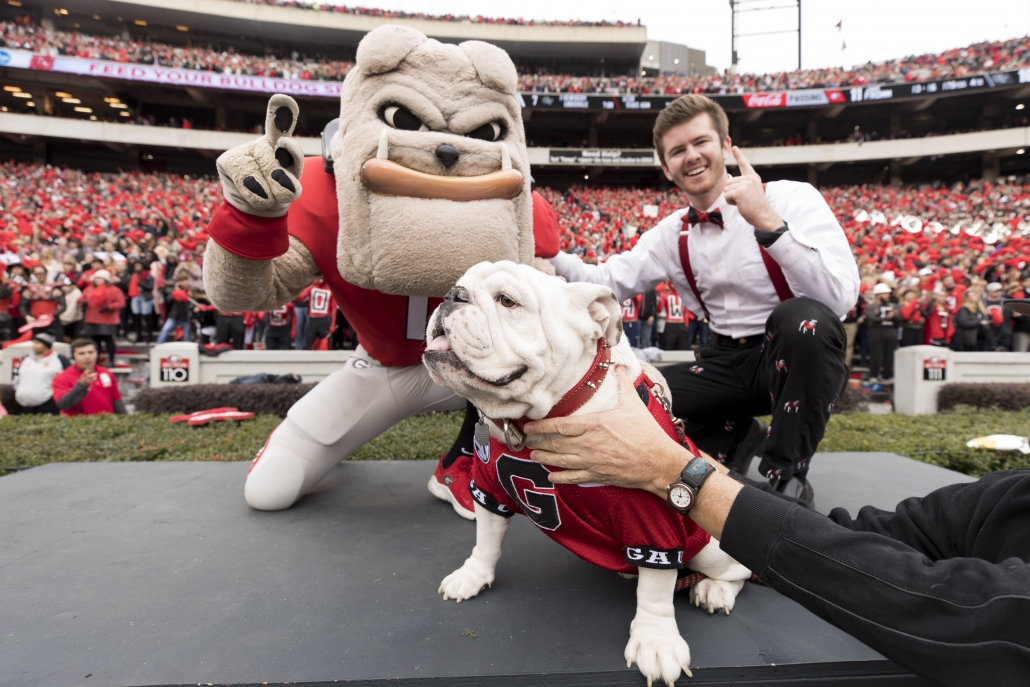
[{"x": 426, "y": 176}]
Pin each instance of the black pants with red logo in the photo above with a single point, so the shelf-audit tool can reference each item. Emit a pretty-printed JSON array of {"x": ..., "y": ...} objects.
[{"x": 795, "y": 373}]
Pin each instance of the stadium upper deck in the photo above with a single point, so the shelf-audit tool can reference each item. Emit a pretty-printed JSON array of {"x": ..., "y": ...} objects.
[
  {"x": 114, "y": 67},
  {"x": 270, "y": 24}
]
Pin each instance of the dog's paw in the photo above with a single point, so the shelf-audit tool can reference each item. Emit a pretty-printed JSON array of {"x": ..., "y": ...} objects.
[
  {"x": 658, "y": 650},
  {"x": 715, "y": 595},
  {"x": 465, "y": 583}
]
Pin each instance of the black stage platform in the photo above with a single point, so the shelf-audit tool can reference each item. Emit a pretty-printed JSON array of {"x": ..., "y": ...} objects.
[{"x": 159, "y": 574}]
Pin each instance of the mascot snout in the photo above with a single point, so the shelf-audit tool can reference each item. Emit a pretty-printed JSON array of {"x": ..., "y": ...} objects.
[{"x": 381, "y": 175}]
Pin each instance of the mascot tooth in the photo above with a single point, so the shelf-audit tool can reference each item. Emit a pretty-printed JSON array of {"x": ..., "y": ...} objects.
[{"x": 429, "y": 176}]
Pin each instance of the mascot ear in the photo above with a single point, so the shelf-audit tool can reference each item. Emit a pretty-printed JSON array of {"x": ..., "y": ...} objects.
[
  {"x": 382, "y": 49},
  {"x": 495, "y": 68},
  {"x": 604, "y": 308}
]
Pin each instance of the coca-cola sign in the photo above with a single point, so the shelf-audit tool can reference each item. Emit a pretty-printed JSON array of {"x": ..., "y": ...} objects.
[{"x": 765, "y": 100}]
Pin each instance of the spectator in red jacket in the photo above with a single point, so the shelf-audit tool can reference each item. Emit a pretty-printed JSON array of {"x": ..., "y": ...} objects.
[
  {"x": 179, "y": 311},
  {"x": 940, "y": 323},
  {"x": 86, "y": 388},
  {"x": 104, "y": 304}
]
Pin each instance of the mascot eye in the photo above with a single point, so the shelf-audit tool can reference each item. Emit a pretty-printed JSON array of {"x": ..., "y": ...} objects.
[
  {"x": 491, "y": 131},
  {"x": 401, "y": 118},
  {"x": 506, "y": 301}
]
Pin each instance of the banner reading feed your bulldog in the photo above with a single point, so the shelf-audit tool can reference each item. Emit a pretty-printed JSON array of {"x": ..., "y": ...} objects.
[
  {"x": 19, "y": 59},
  {"x": 812, "y": 97}
]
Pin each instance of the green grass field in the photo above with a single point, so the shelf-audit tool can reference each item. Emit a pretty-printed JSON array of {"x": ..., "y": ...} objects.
[{"x": 27, "y": 441}]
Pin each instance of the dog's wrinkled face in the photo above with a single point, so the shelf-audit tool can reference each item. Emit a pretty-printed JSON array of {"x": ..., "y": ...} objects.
[
  {"x": 431, "y": 166},
  {"x": 513, "y": 340}
]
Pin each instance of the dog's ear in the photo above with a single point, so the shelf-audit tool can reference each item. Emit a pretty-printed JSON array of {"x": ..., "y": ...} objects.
[
  {"x": 493, "y": 65},
  {"x": 604, "y": 308},
  {"x": 382, "y": 49}
]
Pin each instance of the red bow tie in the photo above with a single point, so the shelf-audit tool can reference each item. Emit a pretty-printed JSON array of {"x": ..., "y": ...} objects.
[{"x": 695, "y": 217}]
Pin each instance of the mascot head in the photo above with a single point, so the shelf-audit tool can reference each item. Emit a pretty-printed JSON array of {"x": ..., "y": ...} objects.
[{"x": 431, "y": 168}]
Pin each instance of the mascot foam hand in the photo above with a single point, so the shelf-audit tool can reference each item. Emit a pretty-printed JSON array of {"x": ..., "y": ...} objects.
[{"x": 262, "y": 177}]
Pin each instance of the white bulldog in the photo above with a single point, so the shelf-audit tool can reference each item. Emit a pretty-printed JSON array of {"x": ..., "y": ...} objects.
[{"x": 515, "y": 341}]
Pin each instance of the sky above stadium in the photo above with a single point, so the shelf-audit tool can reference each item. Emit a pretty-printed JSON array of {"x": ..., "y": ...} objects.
[{"x": 871, "y": 29}]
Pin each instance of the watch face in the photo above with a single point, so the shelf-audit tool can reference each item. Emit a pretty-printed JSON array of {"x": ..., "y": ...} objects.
[{"x": 680, "y": 497}]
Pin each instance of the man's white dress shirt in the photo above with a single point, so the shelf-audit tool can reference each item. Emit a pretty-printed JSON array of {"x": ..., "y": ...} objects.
[{"x": 732, "y": 278}]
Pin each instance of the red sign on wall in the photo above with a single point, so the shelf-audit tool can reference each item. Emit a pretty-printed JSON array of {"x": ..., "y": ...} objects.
[{"x": 175, "y": 368}]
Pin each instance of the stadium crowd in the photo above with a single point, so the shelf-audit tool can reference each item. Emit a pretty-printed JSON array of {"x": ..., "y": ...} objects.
[
  {"x": 114, "y": 256},
  {"x": 24, "y": 35},
  {"x": 462, "y": 18},
  {"x": 918, "y": 246},
  {"x": 981, "y": 57}
]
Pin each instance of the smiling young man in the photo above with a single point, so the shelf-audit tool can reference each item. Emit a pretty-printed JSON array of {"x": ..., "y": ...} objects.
[{"x": 771, "y": 269}]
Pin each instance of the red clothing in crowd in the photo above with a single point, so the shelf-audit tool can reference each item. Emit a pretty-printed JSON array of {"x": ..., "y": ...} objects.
[
  {"x": 912, "y": 312},
  {"x": 671, "y": 307},
  {"x": 631, "y": 308},
  {"x": 940, "y": 326},
  {"x": 102, "y": 393},
  {"x": 103, "y": 304}
]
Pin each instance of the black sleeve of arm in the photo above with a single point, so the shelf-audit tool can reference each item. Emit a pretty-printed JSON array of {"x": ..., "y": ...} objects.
[
  {"x": 73, "y": 397},
  {"x": 768, "y": 238},
  {"x": 23, "y": 306},
  {"x": 62, "y": 305},
  {"x": 119, "y": 407},
  {"x": 958, "y": 621}
]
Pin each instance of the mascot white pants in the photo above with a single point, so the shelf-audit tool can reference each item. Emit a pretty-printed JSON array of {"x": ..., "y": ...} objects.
[{"x": 344, "y": 411}]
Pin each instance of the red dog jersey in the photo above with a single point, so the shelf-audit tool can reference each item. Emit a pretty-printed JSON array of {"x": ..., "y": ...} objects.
[
  {"x": 615, "y": 528},
  {"x": 391, "y": 328}
]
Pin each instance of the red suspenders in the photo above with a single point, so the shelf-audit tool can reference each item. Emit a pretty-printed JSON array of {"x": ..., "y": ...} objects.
[{"x": 772, "y": 267}]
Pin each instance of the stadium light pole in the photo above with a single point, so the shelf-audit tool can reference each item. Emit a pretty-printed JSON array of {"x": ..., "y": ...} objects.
[{"x": 735, "y": 8}]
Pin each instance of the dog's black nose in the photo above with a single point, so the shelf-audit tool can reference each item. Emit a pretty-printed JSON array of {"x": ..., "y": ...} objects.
[
  {"x": 447, "y": 154},
  {"x": 458, "y": 294}
]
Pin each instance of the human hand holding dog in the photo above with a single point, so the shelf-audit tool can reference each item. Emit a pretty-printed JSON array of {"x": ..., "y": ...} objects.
[{"x": 625, "y": 447}]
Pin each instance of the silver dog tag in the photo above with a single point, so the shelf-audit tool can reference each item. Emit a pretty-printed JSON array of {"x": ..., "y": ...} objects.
[{"x": 482, "y": 435}]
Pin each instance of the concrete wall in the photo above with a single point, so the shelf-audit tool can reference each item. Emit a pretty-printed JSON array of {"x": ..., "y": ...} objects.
[
  {"x": 1003, "y": 140},
  {"x": 14, "y": 354},
  {"x": 905, "y": 149},
  {"x": 918, "y": 379},
  {"x": 293, "y": 23},
  {"x": 175, "y": 364},
  {"x": 133, "y": 134}
]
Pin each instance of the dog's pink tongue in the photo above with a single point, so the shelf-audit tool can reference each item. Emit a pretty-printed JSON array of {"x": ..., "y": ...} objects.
[{"x": 440, "y": 343}]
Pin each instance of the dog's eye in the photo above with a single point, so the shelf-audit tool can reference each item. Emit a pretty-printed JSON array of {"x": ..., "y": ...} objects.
[
  {"x": 400, "y": 117},
  {"x": 491, "y": 131},
  {"x": 506, "y": 301}
]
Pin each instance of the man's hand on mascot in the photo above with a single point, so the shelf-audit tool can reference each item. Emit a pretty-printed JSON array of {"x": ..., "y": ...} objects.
[
  {"x": 747, "y": 194},
  {"x": 262, "y": 177}
]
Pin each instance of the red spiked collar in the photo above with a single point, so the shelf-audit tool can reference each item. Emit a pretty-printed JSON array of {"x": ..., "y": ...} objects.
[{"x": 576, "y": 398}]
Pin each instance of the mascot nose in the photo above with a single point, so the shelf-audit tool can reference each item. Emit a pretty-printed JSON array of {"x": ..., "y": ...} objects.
[
  {"x": 458, "y": 294},
  {"x": 447, "y": 154}
]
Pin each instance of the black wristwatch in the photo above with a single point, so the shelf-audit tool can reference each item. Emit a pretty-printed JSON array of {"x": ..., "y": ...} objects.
[{"x": 681, "y": 495}]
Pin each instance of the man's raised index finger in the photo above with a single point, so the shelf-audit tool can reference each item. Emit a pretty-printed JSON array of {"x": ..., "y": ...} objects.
[{"x": 742, "y": 163}]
